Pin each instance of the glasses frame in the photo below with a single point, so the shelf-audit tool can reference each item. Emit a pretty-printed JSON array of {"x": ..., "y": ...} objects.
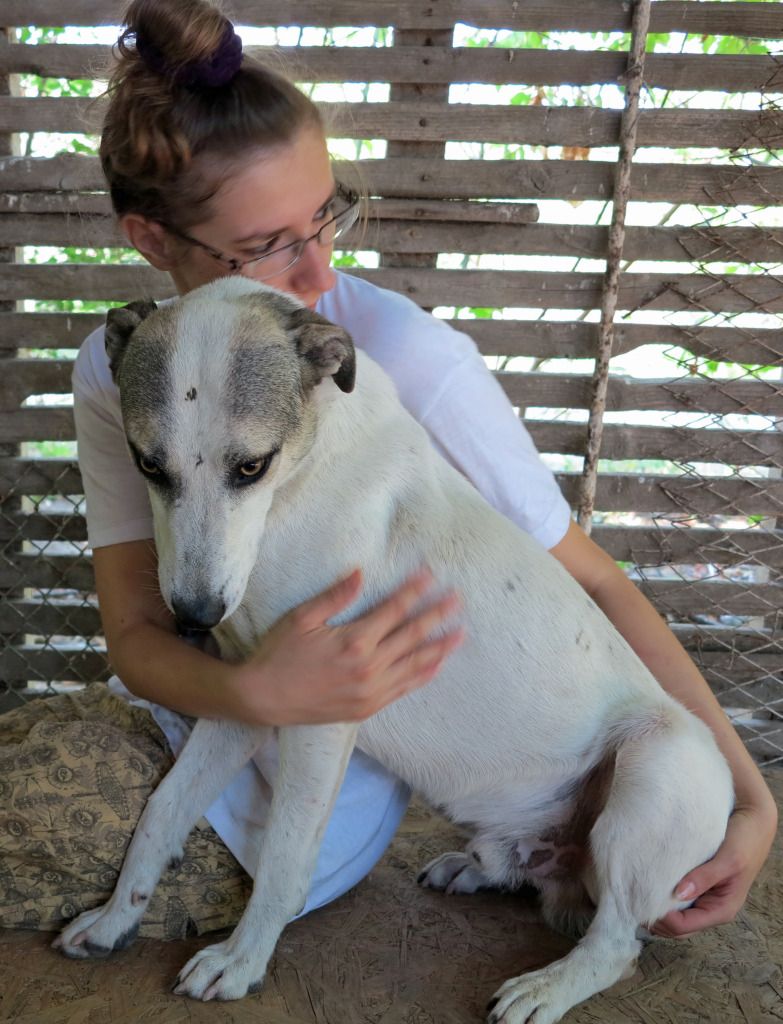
[{"x": 348, "y": 217}]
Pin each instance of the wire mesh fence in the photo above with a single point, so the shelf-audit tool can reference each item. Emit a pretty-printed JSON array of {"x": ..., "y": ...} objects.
[
  {"x": 690, "y": 483},
  {"x": 714, "y": 565}
]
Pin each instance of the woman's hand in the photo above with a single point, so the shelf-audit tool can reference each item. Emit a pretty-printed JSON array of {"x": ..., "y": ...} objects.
[
  {"x": 307, "y": 672},
  {"x": 721, "y": 886}
]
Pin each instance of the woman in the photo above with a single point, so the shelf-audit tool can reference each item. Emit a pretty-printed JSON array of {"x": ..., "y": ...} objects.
[{"x": 219, "y": 166}]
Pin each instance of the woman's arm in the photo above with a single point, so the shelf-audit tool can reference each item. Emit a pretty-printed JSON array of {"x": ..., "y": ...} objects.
[
  {"x": 721, "y": 885},
  {"x": 303, "y": 672}
]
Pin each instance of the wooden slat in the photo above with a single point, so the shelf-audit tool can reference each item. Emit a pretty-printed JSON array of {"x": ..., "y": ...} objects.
[
  {"x": 42, "y": 527},
  {"x": 65, "y": 572},
  {"x": 439, "y": 65},
  {"x": 37, "y": 424},
  {"x": 649, "y": 546},
  {"x": 39, "y": 476},
  {"x": 717, "y": 596},
  {"x": 619, "y": 492},
  {"x": 45, "y": 572},
  {"x": 744, "y": 19},
  {"x": 572, "y": 391},
  {"x": 621, "y": 442},
  {"x": 23, "y": 663},
  {"x": 551, "y": 340},
  {"x": 20, "y": 664},
  {"x": 422, "y": 234},
  {"x": 759, "y": 680},
  {"x": 25, "y": 377},
  {"x": 527, "y": 289},
  {"x": 465, "y": 122},
  {"x": 625, "y": 394},
  {"x": 640, "y": 545},
  {"x": 410, "y": 177},
  {"x": 539, "y": 338},
  {"x": 554, "y": 390},
  {"x": 742, "y": 639},
  {"x": 47, "y": 330},
  {"x": 735, "y": 448},
  {"x": 50, "y": 618}
]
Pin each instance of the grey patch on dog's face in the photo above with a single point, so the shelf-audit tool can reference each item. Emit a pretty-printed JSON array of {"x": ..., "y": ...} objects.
[
  {"x": 263, "y": 381},
  {"x": 265, "y": 403},
  {"x": 144, "y": 379}
]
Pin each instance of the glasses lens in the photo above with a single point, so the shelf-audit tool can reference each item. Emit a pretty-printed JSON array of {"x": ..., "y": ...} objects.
[
  {"x": 277, "y": 262},
  {"x": 346, "y": 218}
]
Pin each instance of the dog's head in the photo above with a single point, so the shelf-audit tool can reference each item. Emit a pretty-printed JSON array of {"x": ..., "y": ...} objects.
[{"x": 217, "y": 402}]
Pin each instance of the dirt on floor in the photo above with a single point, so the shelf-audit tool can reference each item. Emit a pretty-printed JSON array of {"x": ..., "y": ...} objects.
[{"x": 391, "y": 953}]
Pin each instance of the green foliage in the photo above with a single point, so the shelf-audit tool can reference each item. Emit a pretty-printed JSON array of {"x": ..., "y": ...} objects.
[
  {"x": 54, "y": 449},
  {"x": 39, "y": 34}
]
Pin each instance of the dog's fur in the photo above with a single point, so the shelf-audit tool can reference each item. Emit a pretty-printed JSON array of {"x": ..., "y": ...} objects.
[{"x": 543, "y": 732}]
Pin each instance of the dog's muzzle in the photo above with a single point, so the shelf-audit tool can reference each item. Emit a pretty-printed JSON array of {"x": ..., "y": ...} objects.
[
  {"x": 197, "y": 616},
  {"x": 200, "y": 638}
]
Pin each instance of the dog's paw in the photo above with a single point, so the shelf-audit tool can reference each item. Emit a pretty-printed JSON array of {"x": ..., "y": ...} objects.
[
  {"x": 538, "y": 996},
  {"x": 97, "y": 933},
  {"x": 452, "y": 873},
  {"x": 219, "y": 972}
]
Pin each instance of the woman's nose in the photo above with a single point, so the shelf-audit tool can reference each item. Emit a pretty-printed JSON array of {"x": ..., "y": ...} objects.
[{"x": 313, "y": 272}]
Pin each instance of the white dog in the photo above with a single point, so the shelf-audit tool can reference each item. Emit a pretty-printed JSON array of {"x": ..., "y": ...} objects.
[{"x": 543, "y": 732}]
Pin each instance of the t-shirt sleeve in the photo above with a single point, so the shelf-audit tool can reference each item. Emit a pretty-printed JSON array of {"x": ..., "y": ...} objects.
[
  {"x": 116, "y": 503},
  {"x": 443, "y": 381},
  {"x": 473, "y": 424}
]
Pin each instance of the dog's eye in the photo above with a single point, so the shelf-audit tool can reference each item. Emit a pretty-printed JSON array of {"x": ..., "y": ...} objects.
[
  {"x": 148, "y": 466},
  {"x": 248, "y": 472}
]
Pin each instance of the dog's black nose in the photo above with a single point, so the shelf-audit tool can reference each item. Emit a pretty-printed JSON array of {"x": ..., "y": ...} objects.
[{"x": 198, "y": 615}]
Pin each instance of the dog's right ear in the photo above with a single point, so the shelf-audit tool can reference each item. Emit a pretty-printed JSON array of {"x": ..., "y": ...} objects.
[
  {"x": 326, "y": 349},
  {"x": 121, "y": 322}
]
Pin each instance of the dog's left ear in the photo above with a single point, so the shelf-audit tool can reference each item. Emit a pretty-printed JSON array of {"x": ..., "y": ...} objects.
[
  {"x": 326, "y": 349},
  {"x": 121, "y": 322}
]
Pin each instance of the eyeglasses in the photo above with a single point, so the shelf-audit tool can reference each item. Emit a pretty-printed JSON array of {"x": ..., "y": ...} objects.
[{"x": 279, "y": 260}]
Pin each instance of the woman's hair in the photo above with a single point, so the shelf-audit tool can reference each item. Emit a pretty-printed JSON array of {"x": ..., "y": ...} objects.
[{"x": 185, "y": 107}]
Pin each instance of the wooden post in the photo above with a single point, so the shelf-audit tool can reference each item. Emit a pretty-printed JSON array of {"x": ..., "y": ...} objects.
[
  {"x": 412, "y": 91},
  {"x": 622, "y": 189},
  {"x": 10, "y": 503}
]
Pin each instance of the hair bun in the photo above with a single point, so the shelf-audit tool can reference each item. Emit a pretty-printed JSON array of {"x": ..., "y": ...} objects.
[{"x": 209, "y": 73}]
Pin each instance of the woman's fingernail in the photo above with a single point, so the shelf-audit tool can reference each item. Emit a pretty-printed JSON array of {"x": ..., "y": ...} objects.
[{"x": 686, "y": 892}]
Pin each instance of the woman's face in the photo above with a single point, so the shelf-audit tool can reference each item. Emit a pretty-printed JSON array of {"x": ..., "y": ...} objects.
[{"x": 276, "y": 197}]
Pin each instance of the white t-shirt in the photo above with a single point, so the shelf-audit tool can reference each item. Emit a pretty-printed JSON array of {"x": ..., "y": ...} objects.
[{"x": 444, "y": 383}]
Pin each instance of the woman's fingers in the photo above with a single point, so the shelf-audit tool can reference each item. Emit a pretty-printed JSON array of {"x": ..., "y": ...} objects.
[
  {"x": 422, "y": 664},
  {"x": 394, "y": 610},
  {"x": 419, "y": 628},
  {"x": 330, "y": 602}
]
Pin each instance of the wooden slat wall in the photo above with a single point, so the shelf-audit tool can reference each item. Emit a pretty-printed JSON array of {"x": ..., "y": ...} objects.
[{"x": 423, "y": 205}]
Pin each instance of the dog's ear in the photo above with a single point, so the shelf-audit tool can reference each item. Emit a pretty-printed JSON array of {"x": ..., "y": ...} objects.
[
  {"x": 326, "y": 349},
  {"x": 121, "y": 322}
]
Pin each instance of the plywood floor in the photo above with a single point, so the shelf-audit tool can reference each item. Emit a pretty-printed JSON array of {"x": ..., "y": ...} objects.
[{"x": 390, "y": 953}]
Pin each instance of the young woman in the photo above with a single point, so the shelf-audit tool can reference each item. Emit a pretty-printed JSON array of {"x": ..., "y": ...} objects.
[{"x": 218, "y": 166}]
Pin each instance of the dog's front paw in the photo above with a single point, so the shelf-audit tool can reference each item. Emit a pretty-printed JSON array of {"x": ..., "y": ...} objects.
[
  {"x": 97, "y": 933},
  {"x": 538, "y": 996},
  {"x": 452, "y": 873},
  {"x": 219, "y": 972}
]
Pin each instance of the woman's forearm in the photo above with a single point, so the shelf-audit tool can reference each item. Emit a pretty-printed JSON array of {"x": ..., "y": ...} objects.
[{"x": 157, "y": 665}]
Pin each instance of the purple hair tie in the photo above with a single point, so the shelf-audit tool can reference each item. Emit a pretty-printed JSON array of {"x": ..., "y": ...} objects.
[{"x": 215, "y": 71}]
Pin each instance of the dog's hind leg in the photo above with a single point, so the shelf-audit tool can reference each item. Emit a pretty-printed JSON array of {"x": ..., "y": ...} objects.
[
  {"x": 313, "y": 760},
  {"x": 666, "y": 812},
  {"x": 213, "y": 754}
]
